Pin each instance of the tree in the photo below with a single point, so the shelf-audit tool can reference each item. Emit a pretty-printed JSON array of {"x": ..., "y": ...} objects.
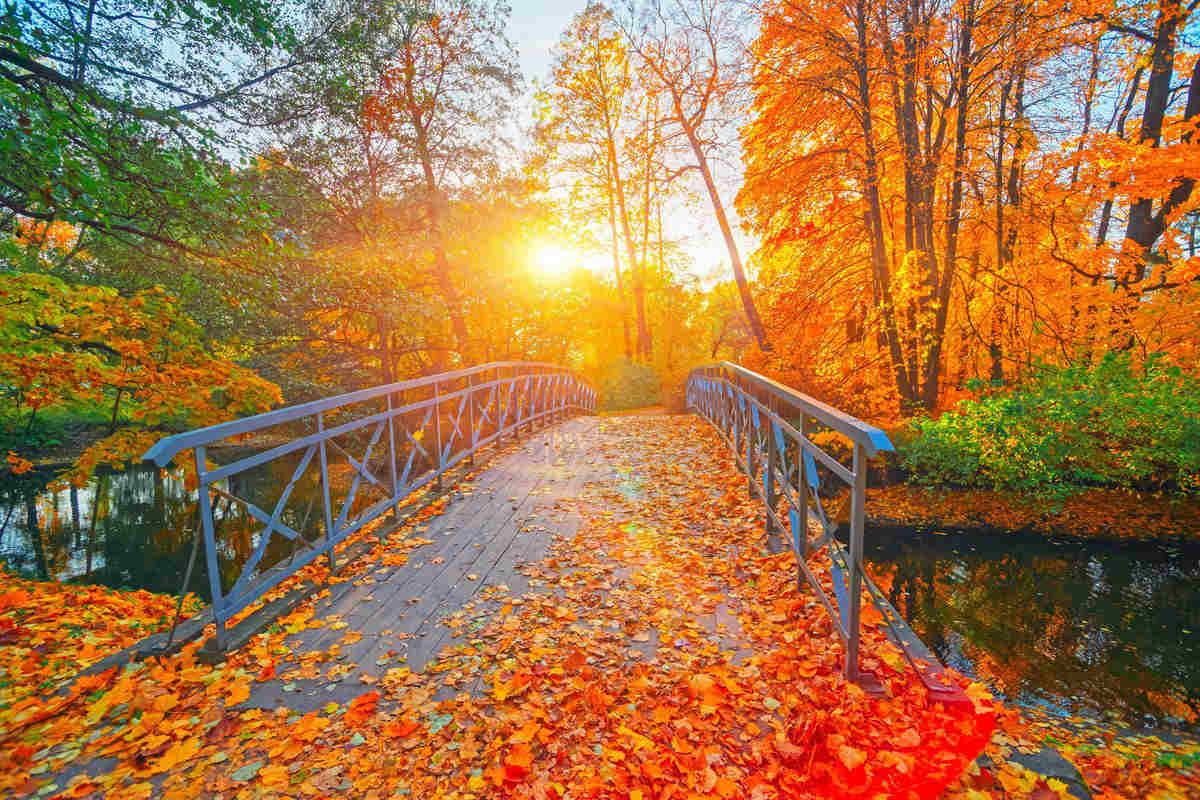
[
  {"x": 443, "y": 93},
  {"x": 585, "y": 113},
  {"x": 693, "y": 51},
  {"x": 112, "y": 116},
  {"x": 64, "y": 345}
]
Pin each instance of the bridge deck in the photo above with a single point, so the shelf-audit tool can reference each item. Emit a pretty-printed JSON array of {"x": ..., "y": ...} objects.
[
  {"x": 479, "y": 555},
  {"x": 596, "y": 599}
]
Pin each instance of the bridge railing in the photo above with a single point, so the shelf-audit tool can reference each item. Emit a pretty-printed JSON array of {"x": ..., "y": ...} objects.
[
  {"x": 410, "y": 434},
  {"x": 770, "y": 428}
]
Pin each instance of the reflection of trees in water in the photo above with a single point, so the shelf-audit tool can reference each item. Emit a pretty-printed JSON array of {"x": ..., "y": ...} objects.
[
  {"x": 133, "y": 529},
  {"x": 1088, "y": 626}
]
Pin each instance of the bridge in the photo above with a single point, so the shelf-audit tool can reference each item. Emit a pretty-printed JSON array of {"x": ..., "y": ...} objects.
[{"x": 432, "y": 501}]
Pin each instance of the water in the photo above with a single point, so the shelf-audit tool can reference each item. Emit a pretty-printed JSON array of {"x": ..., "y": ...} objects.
[
  {"x": 1071, "y": 627},
  {"x": 135, "y": 529}
]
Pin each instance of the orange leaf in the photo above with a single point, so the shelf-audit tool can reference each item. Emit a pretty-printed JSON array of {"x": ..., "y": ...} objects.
[
  {"x": 401, "y": 728},
  {"x": 852, "y": 757},
  {"x": 517, "y": 762}
]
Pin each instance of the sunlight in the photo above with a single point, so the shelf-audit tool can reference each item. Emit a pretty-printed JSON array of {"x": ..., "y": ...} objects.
[{"x": 553, "y": 259}]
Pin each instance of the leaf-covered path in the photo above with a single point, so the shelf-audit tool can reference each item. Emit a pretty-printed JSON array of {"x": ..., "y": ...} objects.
[{"x": 592, "y": 616}]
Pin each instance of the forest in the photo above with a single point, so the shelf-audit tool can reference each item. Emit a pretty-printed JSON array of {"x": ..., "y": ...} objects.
[
  {"x": 972, "y": 224},
  {"x": 918, "y": 203}
]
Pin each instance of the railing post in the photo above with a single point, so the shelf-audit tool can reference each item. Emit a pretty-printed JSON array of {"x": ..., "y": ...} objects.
[
  {"x": 329, "y": 540},
  {"x": 471, "y": 419},
  {"x": 770, "y": 490},
  {"x": 857, "y": 523},
  {"x": 437, "y": 425},
  {"x": 210, "y": 546},
  {"x": 751, "y": 444},
  {"x": 501, "y": 405},
  {"x": 802, "y": 490},
  {"x": 392, "y": 463}
]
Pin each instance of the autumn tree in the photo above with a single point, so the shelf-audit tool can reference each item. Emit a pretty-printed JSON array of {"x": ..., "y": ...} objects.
[
  {"x": 443, "y": 93},
  {"x": 694, "y": 55},
  {"x": 588, "y": 113},
  {"x": 901, "y": 98},
  {"x": 136, "y": 356}
]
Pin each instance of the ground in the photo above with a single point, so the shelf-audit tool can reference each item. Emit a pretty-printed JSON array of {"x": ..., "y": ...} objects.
[{"x": 593, "y": 616}]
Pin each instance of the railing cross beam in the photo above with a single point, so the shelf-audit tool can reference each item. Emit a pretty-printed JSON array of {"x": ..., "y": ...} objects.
[{"x": 519, "y": 394}]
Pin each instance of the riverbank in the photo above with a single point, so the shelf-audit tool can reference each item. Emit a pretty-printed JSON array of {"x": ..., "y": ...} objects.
[
  {"x": 1109, "y": 514},
  {"x": 50, "y": 632}
]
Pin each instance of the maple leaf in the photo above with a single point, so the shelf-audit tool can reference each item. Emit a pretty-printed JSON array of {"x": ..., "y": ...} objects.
[
  {"x": 851, "y": 757},
  {"x": 361, "y": 708},
  {"x": 908, "y": 739},
  {"x": 517, "y": 762},
  {"x": 401, "y": 728}
]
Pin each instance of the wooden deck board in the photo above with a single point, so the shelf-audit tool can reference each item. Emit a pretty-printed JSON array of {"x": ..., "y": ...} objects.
[{"x": 507, "y": 516}]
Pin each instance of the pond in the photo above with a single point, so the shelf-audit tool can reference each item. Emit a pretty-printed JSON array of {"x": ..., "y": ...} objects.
[
  {"x": 1073, "y": 627},
  {"x": 1068, "y": 626},
  {"x": 134, "y": 529}
]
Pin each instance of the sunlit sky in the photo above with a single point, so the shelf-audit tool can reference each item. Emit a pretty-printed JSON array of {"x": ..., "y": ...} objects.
[{"x": 535, "y": 27}]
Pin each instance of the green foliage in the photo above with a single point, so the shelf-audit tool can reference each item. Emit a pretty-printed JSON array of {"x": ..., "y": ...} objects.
[
  {"x": 106, "y": 117},
  {"x": 630, "y": 385},
  {"x": 1111, "y": 424}
]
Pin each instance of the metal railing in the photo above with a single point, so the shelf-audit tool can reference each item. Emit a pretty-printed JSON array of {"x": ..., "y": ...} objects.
[
  {"x": 769, "y": 427},
  {"x": 431, "y": 425}
]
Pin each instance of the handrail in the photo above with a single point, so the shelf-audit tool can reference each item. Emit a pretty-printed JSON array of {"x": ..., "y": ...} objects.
[
  {"x": 456, "y": 414},
  {"x": 852, "y": 428},
  {"x": 167, "y": 448},
  {"x": 768, "y": 426}
]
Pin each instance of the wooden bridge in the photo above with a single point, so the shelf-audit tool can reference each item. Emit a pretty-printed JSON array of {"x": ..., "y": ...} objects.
[{"x": 505, "y": 451}]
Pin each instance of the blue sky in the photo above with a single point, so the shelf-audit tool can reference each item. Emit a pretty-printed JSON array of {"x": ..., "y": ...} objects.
[{"x": 534, "y": 28}]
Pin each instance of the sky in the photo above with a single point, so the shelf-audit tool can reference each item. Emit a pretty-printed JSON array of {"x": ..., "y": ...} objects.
[{"x": 534, "y": 28}]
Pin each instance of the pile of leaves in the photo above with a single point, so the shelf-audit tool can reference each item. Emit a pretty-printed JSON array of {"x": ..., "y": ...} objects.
[
  {"x": 1113, "y": 765},
  {"x": 1113, "y": 423},
  {"x": 49, "y": 632},
  {"x": 659, "y": 653}
]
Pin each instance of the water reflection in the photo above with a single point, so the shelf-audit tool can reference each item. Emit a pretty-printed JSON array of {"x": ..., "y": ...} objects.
[
  {"x": 1072, "y": 627},
  {"x": 134, "y": 529}
]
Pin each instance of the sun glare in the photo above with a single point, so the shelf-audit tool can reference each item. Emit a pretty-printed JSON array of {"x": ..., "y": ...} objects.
[{"x": 553, "y": 259}]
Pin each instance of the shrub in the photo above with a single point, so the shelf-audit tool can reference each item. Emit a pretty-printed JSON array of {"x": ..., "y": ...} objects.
[
  {"x": 630, "y": 385},
  {"x": 1110, "y": 424}
]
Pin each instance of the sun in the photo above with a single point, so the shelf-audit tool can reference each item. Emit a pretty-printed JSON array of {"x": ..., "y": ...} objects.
[{"x": 553, "y": 259}]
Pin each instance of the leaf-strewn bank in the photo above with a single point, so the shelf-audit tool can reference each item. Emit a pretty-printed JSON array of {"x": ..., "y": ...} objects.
[
  {"x": 51, "y": 631},
  {"x": 1090, "y": 514}
]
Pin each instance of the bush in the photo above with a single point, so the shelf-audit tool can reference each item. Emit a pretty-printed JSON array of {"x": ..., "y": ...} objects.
[
  {"x": 630, "y": 385},
  {"x": 1109, "y": 424}
]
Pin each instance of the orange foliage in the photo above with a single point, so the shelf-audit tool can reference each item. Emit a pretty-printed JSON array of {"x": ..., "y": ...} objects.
[
  {"x": 83, "y": 344},
  {"x": 921, "y": 225}
]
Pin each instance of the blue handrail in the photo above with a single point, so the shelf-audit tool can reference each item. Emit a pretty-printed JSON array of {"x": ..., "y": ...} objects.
[{"x": 462, "y": 411}]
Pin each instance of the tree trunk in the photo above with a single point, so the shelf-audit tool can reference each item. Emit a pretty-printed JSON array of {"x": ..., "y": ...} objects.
[
  {"x": 445, "y": 280},
  {"x": 616, "y": 257},
  {"x": 435, "y": 203},
  {"x": 639, "y": 299},
  {"x": 933, "y": 362},
  {"x": 879, "y": 267},
  {"x": 1106, "y": 211},
  {"x": 735, "y": 259},
  {"x": 1139, "y": 229},
  {"x": 647, "y": 346}
]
